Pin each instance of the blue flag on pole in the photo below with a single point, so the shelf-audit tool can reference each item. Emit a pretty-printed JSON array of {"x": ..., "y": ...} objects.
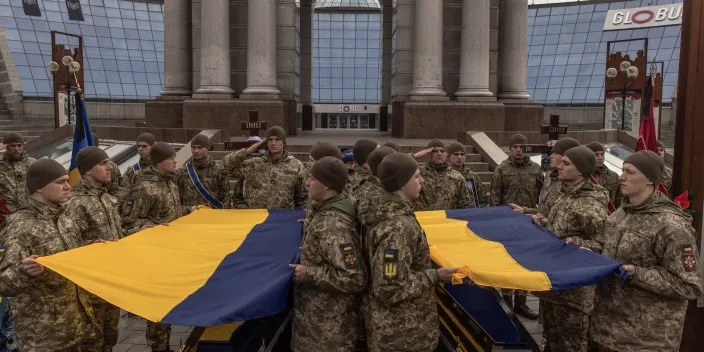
[{"x": 82, "y": 137}]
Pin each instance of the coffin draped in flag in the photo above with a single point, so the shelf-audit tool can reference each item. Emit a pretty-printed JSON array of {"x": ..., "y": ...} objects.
[{"x": 219, "y": 266}]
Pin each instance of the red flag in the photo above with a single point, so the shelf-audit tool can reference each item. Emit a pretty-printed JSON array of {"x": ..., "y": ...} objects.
[
  {"x": 610, "y": 205},
  {"x": 682, "y": 200},
  {"x": 647, "y": 139}
]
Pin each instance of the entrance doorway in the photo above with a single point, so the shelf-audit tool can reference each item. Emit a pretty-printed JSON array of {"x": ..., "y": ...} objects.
[{"x": 346, "y": 121}]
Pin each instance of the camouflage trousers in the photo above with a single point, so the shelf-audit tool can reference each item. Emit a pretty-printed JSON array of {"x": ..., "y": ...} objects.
[
  {"x": 158, "y": 336},
  {"x": 564, "y": 328},
  {"x": 509, "y": 292},
  {"x": 107, "y": 319}
]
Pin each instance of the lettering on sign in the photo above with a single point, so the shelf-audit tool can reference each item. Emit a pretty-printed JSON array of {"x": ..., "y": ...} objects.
[
  {"x": 553, "y": 129},
  {"x": 644, "y": 17},
  {"x": 349, "y": 108},
  {"x": 537, "y": 149},
  {"x": 254, "y": 125}
]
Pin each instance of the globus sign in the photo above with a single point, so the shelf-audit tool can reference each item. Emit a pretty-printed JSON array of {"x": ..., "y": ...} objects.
[{"x": 644, "y": 17}]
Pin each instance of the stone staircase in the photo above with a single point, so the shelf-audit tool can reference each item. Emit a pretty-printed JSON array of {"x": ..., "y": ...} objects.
[{"x": 29, "y": 128}]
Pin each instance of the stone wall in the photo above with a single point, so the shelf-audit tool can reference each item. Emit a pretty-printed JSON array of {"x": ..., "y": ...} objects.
[{"x": 99, "y": 113}]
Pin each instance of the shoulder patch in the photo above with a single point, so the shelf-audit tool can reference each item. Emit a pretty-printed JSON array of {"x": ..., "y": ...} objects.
[
  {"x": 390, "y": 263},
  {"x": 349, "y": 254},
  {"x": 689, "y": 260}
]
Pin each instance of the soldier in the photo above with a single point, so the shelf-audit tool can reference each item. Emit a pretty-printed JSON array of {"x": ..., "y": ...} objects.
[
  {"x": 361, "y": 150},
  {"x": 348, "y": 159},
  {"x": 116, "y": 176},
  {"x": 606, "y": 178},
  {"x": 443, "y": 187},
  {"x": 145, "y": 141},
  {"x": 517, "y": 180},
  {"x": 202, "y": 180},
  {"x": 97, "y": 218},
  {"x": 13, "y": 170},
  {"x": 400, "y": 308},
  {"x": 392, "y": 145},
  {"x": 458, "y": 156},
  {"x": 274, "y": 180},
  {"x": 368, "y": 193},
  {"x": 653, "y": 239},
  {"x": 154, "y": 200},
  {"x": 321, "y": 150},
  {"x": 667, "y": 172},
  {"x": 331, "y": 276},
  {"x": 50, "y": 312},
  {"x": 578, "y": 216}
]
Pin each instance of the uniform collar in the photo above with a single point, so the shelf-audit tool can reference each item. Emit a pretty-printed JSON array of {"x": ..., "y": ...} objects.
[{"x": 43, "y": 210}]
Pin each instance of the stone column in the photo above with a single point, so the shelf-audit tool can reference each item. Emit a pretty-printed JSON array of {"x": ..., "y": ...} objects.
[
  {"x": 177, "y": 68},
  {"x": 214, "y": 49},
  {"x": 474, "y": 57},
  {"x": 261, "y": 50},
  {"x": 427, "y": 65},
  {"x": 513, "y": 23}
]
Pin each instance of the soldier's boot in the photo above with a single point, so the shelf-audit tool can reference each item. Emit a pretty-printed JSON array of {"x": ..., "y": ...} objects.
[
  {"x": 520, "y": 307},
  {"x": 508, "y": 299}
]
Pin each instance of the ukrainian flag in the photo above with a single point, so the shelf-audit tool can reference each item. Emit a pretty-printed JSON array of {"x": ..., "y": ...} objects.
[
  {"x": 215, "y": 267},
  {"x": 82, "y": 137}
]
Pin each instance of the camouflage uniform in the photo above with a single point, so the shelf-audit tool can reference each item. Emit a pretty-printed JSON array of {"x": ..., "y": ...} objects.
[
  {"x": 400, "y": 308},
  {"x": 646, "y": 312},
  {"x": 549, "y": 192},
  {"x": 667, "y": 180},
  {"x": 609, "y": 180},
  {"x": 272, "y": 182},
  {"x": 154, "y": 200},
  {"x": 367, "y": 196},
  {"x": 115, "y": 184},
  {"x": 327, "y": 303},
  {"x": 477, "y": 192},
  {"x": 50, "y": 312},
  {"x": 516, "y": 181},
  {"x": 128, "y": 179},
  {"x": 358, "y": 176},
  {"x": 13, "y": 179},
  {"x": 579, "y": 213},
  {"x": 211, "y": 176},
  {"x": 443, "y": 188},
  {"x": 95, "y": 213}
]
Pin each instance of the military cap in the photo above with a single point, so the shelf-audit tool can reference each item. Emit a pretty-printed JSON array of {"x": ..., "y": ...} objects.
[
  {"x": 12, "y": 138},
  {"x": 331, "y": 172},
  {"x": 146, "y": 138},
  {"x": 323, "y": 149},
  {"x": 200, "y": 140},
  {"x": 583, "y": 159},
  {"x": 161, "y": 151},
  {"x": 377, "y": 156},
  {"x": 276, "y": 131},
  {"x": 456, "y": 147},
  {"x": 649, "y": 163},
  {"x": 43, "y": 172},
  {"x": 88, "y": 157},
  {"x": 561, "y": 146},
  {"x": 396, "y": 170},
  {"x": 596, "y": 147},
  {"x": 362, "y": 148}
]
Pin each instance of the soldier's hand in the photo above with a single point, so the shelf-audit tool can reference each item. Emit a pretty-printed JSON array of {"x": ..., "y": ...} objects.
[
  {"x": 31, "y": 267},
  {"x": 569, "y": 240},
  {"x": 254, "y": 147},
  {"x": 446, "y": 273},
  {"x": 538, "y": 218},
  {"x": 629, "y": 269},
  {"x": 299, "y": 272},
  {"x": 423, "y": 153},
  {"x": 517, "y": 209}
]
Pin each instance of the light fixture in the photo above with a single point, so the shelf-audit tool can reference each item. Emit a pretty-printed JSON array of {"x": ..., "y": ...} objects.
[
  {"x": 632, "y": 72},
  {"x": 66, "y": 60},
  {"x": 74, "y": 66},
  {"x": 53, "y": 66},
  {"x": 625, "y": 65},
  {"x": 611, "y": 72}
]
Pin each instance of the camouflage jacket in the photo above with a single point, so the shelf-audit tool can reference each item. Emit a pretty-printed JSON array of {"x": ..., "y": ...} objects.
[
  {"x": 667, "y": 180},
  {"x": 270, "y": 182},
  {"x": 646, "y": 313},
  {"x": 359, "y": 175},
  {"x": 443, "y": 188},
  {"x": 477, "y": 191},
  {"x": 129, "y": 178},
  {"x": 367, "y": 196},
  {"x": 211, "y": 176},
  {"x": 95, "y": 212},
  {"x": 609, "y": 180},
  {"x": 50, "y": 312},
  {"x": 115, "y": 180},
  {"x": 579, "y": 213},
  {"x": 327, "y": 313},
  {"x": 153, "y": 200},
  {"x": 516, "y": 181},
  {"x": 13, "y": 179},
  {"x": 400, "y": 308}
]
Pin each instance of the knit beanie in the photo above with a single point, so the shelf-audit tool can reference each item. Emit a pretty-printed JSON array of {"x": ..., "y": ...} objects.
[
  {"x": 396, "y": 170},
  {"x": 13, "y": 138},
  {"x": 276, "y": 131},
  {"x": 392, "y": 145},
  {"x": 377, "y": 156},
  {"x": 456, "y": 147},
  {"x": 517, "y": 139},
  {"x": 661, "y": 145},
  {"x": 347, "y": 156},
  {"x": 88, "y": 157},
  {"x": 561, "y": 146},
  {"x": 362, "y": 148},
  {"x": 146, "y": 138},
  {"x": 200, "y": 140},
  {"x": 436, "y": 143},
  {"x": 43, "y": 172},
  {"x": 583, "y": 159},
  {"x": 596, "y": 147},
  {"x": 649, "y": 163},
  {"x": 161, "y": 151},
  {"x": 323, "y": 149},
  {"x": 331, "y": 172}
]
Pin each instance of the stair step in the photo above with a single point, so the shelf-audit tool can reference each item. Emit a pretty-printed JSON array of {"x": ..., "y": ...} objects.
[{"x": 305, "y": 148}]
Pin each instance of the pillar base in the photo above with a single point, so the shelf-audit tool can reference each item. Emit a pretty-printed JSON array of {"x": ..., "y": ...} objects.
[
  {"x": 524, "y": 116},
  {"x": 216, "y": 96},
  {"x": 267, "y": 92},
  {"x": 175, "y": 92},
  {"x": 255, "y": 97},
  {"x": 166, "y": 112},
  {"x": 228, "y": 114},
  {"x": 476, "y": 98},
  {"x": 428, "y": 94},
  {"x": 445, "y": 119},
  {"x": 513, "y": 95},
  {"x": 475, "y": 94}
]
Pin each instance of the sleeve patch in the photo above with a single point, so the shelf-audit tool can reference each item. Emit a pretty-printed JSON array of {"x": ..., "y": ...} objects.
[
  {"x": 390, "y": 263},
  {"x": 349, "y": 255}
]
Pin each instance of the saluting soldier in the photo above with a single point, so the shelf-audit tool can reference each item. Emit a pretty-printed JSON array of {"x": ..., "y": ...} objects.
[
  {"x": 96, "y": 215},
  {"x": 517, "y": 181},
  {"x": 331, "y": 275},
  {"x": 202, "y": 181},
  {"x": 274, "y": 180},
  {"x": 578, "y": 216},
  {"x": 14, "y": 163},
  {"x": 145, "y": 141},
  {"x": 400, "y": 307},
  {"x": 443, "y": 187},
  {"x": 361, "y": 150},
  {"x": 458, "y": 155},
  {"x": 155, "y": 200},
  {"x": 50, "y": 312},
  {"x": 667, "y": 172},
  {"x": 653, "y": 239},
  {"x": 606, "y": 178},
  {"x": 116, "y": 176}
]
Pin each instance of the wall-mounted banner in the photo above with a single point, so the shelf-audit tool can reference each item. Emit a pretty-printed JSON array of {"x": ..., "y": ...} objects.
[
  {"x": 644, "y": 17},
  {"x": 75, "y": 13},
  {"x": 31, "y": 8}
]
